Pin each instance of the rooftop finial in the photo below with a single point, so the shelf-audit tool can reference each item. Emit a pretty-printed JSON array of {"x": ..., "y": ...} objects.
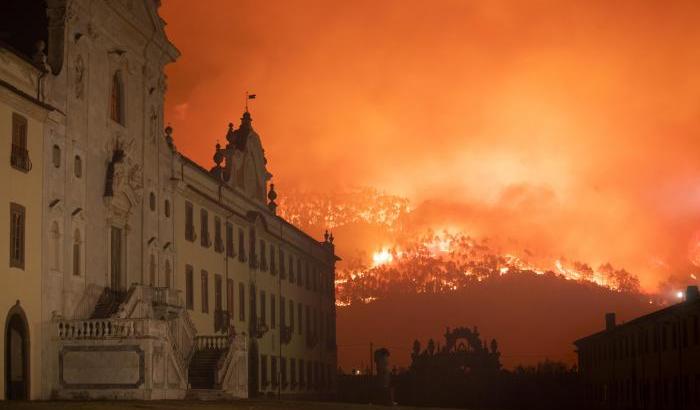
[
  {"x": 325, "y": 236},
  {"x": 272, "y": 195},
  {"x": 218, "y": 155},
  {"x": 169, "y": 136}
]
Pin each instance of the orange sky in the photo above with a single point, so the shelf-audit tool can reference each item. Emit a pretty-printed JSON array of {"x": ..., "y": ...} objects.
[{"x": 567, "y": 127}]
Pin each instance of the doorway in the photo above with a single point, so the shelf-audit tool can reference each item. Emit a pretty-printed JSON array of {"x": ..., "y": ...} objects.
[{"x": 16, "y": 355}]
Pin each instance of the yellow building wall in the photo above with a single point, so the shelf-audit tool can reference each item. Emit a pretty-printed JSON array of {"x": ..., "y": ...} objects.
[{"x": 24, "y": 189}]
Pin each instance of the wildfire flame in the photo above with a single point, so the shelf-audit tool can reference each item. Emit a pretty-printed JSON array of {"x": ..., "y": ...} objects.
[{"x": 426, "y": 261}]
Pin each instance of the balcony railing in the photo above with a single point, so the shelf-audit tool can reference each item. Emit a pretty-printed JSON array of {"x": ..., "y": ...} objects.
[
  {"x": 311, "y": 340},
  {"x": 19, "y": 158},
  {"x": 286, "y": 334},
  {"x": 211, "y": 342},
  {"x": 221, "y": 320}
]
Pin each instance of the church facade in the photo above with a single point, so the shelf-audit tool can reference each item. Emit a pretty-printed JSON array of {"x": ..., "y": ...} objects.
[{"x": 144, "y": 275}]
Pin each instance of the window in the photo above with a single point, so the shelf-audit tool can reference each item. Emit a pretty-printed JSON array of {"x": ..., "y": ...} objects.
[
  {"x": 166, "y": 208},
  {"x": 273, "y": 268},
  {"x": 55, "y": 249},
  {"x": 308, "y": 320},
  {"x": 17, "y": 222},
  {"x": 299, "y": 311},
  {"x": 77, "y": 243},
  {"x": 309, "y": 378},
  {"x": 78, "y": 166},
  {"x": 117, "y": 99},
  {"x": 152, "y": 201},
  {"x": 299, "y": 281},
  {"x": 218, "y": 240},
  {"x": 205, "y": 292},
  {"x": 263, "y": 256},
  {"x": 241, "y": 302},
  {"x": 306, "y": 270},
  {"x": 189, "y": 222},
  {"x": 252, "y": 257},
  {"x": 283, "y": 371},
  {"x": 273, "y": 312},
  {"x": 168, "y": 273},
  {"x": 189, "y": 286},
  {"x": 273, "y": 370},
  {"x": 19, "y": 158},
  {"x": 263, "y": 371},
  {"x": 229, "y": 240},
  {"x": 283, "y": 272},
  {"x": 291, "y": 315},
  {"x": 263, "y": 307},
  {"x": 116, "y": 257},
  {"x": 293, "y": 371},
  {"x": 283, "y": 312},
  {"x": 217, "y": 293},
  {"x": 152, "y": 270},
  {"x": 301, "y": 373},
  {"x": 204, "y": 229},
  {"x": 241, "y": 245},
  {"x": 229, "y": 297},
  {"x": 56, "y": 156},
  {"x": 291, "y": 269}
]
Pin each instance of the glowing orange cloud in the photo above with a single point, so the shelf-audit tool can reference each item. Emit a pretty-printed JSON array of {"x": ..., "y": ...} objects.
[{"x": 567, "y": 127}]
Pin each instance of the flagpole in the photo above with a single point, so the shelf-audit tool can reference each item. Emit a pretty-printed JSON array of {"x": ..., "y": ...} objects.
[{"x": 246, "y": 101}]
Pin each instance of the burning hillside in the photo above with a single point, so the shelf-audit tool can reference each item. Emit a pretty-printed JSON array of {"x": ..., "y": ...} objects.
[
  {"x": 445, "y": 262},
  {"x": 420, "y": 260},
  {"x": 421, "y": 278}
]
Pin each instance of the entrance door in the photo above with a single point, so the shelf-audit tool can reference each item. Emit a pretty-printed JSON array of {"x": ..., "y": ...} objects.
[
  {"x": 116, "y": 257},
  {"x": 16, "y": 359}
]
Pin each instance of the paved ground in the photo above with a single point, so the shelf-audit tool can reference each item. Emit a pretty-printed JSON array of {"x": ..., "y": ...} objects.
[{"x": 190, "y": 405}]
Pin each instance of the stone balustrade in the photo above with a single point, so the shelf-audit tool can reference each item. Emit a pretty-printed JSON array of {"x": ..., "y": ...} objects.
[
  {"x": 105, "y": 328},
  {"x": 219, "y": 342},
  {"x": 167, "y": 297}
]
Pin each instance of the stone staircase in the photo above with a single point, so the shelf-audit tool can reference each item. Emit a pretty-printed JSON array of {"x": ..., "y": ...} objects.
[
  {"x": 202, "y": 368},
  {"x": 108, "y": 304}
]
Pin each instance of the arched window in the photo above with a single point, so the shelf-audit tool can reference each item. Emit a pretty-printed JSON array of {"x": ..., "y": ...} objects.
[
  {"x": 152, "y": 201},
  {"x": 167, "y": 208},
  {"x": 152, "y": 270},
  {"x": 117, "y": 99},
  {"x": 55, "y": 248},
  {"x": 78, "y": 166},
  {"x": 77, "y": 244},
  {"x": 168, "y": 272},
  {"x": 56, "y": 156}
]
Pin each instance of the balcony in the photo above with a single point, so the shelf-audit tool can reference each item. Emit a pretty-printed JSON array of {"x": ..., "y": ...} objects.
[
  {"x": 218, "y": 245},
  {"x": 189, "y": 233},
  {"x": 261, "y": 329},
  {"x": 286, "y": 334},
  {"x": 221, "y": 320},
  {"x": 311, "y": 340},
  {"x": 19, "y": 158}
]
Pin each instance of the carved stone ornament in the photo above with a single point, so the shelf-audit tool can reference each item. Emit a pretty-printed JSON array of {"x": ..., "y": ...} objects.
[
  {"x": 79, "y": 77},
  {"x": 124, "y": 179}
]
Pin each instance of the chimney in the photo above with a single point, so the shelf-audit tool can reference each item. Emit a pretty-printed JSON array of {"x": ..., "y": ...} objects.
[
  {"x": 609, "y": 321},
  {"x": 691, "y": 293}
]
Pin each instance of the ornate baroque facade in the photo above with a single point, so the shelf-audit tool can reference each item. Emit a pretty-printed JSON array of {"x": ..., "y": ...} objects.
[{"x": 143, "y": 275}]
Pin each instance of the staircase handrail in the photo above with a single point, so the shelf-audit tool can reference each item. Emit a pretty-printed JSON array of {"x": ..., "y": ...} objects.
[{"x": 223, "y": 371}]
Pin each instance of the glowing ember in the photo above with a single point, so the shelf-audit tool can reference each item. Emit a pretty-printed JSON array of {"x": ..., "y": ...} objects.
[{"x": 382, "y": 257}]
